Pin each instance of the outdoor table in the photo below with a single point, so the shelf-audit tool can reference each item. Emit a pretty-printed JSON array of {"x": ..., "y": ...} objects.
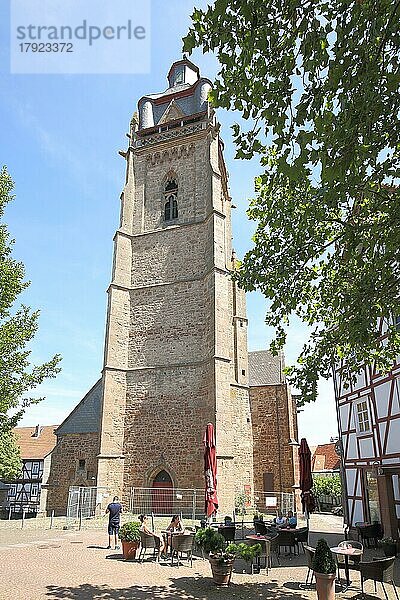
[
  {"x": 254, "y": 536},
  {"x": 346, "y": 552}
]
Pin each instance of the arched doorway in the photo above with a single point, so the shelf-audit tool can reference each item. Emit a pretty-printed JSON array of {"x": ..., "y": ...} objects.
[{"x": 162, "y": 494}]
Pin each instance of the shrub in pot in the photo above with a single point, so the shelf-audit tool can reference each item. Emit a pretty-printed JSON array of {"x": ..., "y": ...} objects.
[
  {"x": 389, "y": 546},
  {"x": 129, "y": 534},
  {"x": 324, "y": 567},
  {"x": 221, "y": 555}
]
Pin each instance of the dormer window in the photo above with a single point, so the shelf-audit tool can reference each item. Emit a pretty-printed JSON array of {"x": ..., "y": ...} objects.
[{"x": 171, "y": 201}]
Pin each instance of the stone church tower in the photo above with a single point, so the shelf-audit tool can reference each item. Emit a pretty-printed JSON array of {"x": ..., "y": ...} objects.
[{"x": 176, "y": 337}]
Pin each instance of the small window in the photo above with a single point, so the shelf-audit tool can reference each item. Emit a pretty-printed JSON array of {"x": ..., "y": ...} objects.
[
  {"x": 243, "y": 371},
  {"x": 34, "y": 489},
  {"x": 81, "y": 464},
  {"x": 171, "y": 201},
  {"x": 363, "y": 424},
  {"x": 35, "y": 468}
]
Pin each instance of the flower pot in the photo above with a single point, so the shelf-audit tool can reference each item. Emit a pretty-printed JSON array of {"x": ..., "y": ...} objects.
[
  {"x": 390, "y": 550},
  {"x": 325, "y": 585},
  {"x": 129, "y": 550},
  {"x": 221, "y": 570}
]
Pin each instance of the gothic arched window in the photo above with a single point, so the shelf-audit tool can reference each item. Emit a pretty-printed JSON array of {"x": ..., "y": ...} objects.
[{"x": 171, "y": 201}]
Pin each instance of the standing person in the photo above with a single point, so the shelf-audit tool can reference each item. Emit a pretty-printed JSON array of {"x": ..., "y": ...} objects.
[{"x": 114, "y": 510}]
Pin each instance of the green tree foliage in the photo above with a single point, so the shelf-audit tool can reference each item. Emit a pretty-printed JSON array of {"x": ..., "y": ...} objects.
[
  {"x": 318, "y": 82},
  {"x": 10, "y": 457},
  {"x": 327, "y": 485},
  {"x": 18, "y": 326}
]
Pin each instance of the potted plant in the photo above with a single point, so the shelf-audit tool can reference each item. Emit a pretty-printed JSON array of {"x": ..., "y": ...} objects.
[
  {"x": 389, "y": 546},
  {"x": 221, "y": 555},
  {"x": 247, "y": 553},
  {"x": 129, "y": 534},
  {"x": 324, "y": 567}
]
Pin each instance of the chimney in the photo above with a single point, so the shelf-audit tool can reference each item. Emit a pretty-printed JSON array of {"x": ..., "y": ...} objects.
[{"x": 37, "y": 431}]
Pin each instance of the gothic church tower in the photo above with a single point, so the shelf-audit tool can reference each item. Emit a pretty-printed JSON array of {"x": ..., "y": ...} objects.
[{"x": 176, "y": 337}]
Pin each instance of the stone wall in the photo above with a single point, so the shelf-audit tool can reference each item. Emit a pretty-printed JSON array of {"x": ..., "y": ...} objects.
[
  {"x": 274, "y": 425},
  {"x": 176, "y": 338},
  {"x": 64, "y": 470}
]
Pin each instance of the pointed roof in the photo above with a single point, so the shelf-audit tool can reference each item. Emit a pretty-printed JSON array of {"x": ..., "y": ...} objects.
[
  {"x": 325, "y": 458},
  {"x": 265, "y": 369},
  {"x": 85, "y": 417},
  {"x": 173, "y": 112},
  {"x": 35, "y": 446}
]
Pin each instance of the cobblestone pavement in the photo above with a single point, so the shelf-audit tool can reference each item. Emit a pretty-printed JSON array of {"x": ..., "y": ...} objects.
[{"x": 39, "y": 564}]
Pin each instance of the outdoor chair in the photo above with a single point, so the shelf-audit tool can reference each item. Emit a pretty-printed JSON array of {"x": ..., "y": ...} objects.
[
  {"x": 287, "y": 539},
  {"x": 260, "y": 527},
  {"x": 369, "y": 533},
  {"x": 381, "y": 570},
  {"x": 182, "y": 544},
  {"x": 309, "y": 552},
  {"x": 274, "y": 548},
  {"x": 147, "y": 542},
  {"x": 228, "y": 532},
  {"x": 301, "y": 537}
]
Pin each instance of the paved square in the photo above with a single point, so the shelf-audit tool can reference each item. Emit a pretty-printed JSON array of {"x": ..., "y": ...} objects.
[{"x": 54, "y": 564}]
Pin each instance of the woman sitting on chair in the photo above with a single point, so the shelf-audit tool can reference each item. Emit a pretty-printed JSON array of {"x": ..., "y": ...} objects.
[
  {"x": 174, "y": 527},
  {"x": 159, "y": 542}
]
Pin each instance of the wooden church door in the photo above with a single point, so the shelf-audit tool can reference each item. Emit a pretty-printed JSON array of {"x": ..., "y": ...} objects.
[{"x": 162, "y": 494}]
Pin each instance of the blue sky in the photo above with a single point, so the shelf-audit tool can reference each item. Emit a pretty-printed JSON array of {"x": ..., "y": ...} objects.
[{"x": 60, "y": 136}]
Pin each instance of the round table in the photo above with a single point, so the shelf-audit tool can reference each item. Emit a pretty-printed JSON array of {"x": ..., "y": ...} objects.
[{"x": 346, "y": 552}]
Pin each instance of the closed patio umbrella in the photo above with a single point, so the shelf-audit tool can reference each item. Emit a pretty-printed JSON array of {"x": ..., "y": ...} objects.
[
  {"x": 306, "y": 480},
  {"x": 210, "y": 471}
]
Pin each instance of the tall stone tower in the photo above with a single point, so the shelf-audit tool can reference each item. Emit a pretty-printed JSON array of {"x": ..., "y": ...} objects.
[{"x": 176, "y": 337}]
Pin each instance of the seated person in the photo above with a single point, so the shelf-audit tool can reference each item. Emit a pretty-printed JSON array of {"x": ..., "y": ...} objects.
[
  {"x": 159, "y": 542},
  {"x": 291, "y": 520},
  {"x": 174, "y": 527},
  {"x": 280, "y": 520},
  {"x": 228, "y": 521}
]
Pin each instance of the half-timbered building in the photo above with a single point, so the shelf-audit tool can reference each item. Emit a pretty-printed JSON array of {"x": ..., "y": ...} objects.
[
  {"x": 24, "y": 493},
  {"x": 369, "y": 428}
]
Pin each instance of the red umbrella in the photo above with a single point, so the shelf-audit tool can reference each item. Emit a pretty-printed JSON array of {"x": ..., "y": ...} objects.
[
  {"x": 306, "y": 480},
  {"x": 210, "y": 471}
]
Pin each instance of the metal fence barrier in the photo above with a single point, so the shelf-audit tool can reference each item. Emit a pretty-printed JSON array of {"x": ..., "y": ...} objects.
[
  {"x": 163, "y": 501},
  {"x": 84, "y": 503}
]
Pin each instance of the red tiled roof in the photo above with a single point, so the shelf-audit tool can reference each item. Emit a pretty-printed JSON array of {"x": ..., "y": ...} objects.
[
  {"x": 35, "y": 447},
  {"x": 325, "y": 458}
]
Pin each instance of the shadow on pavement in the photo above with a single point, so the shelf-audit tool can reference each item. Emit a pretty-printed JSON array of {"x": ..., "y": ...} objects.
[{"x": 183, "y": 588}]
